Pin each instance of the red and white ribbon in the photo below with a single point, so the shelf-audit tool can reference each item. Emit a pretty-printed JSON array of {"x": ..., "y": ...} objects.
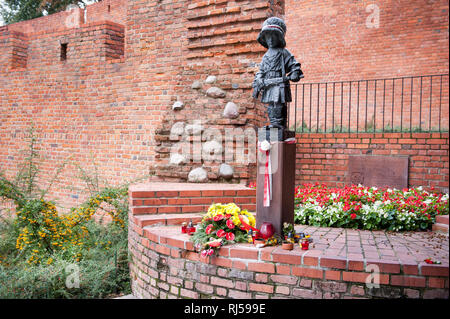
[{"x": 265, "y": 147}]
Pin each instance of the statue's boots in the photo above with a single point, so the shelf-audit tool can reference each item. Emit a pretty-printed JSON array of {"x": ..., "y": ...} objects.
[{"x": 277, "y": 115}]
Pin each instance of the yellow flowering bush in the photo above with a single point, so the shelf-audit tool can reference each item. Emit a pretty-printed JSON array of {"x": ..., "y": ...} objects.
[
  {"x": 37, "y": 244},
  {"x": 43, "y": 231}
]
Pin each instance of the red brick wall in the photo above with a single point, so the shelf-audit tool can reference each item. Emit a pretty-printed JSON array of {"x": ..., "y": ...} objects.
[
  {"x": 65, "y": 19},
  {"x": 108, "y": 107},
  {"x": 332, "y": 41},
  {"x": 323, "y": 158},
  {"x": 72, "y": 104},
  {"x": 206, "y": 38},
  {"x": 111, "y": 10}
]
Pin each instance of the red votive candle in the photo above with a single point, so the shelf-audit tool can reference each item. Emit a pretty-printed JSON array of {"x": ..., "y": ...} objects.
[
  {"x": 184, "y": 228},
  {"x": 305, "y": 244},
  {"x": 190, "y": 228}
]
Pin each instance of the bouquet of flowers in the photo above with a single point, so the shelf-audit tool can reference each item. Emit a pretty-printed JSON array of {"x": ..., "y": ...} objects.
[{"x": 222, "y": 225}]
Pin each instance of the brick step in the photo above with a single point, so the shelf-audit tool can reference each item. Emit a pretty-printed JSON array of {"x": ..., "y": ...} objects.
[
  {"x": 166, "y": 219},
  {"x": 440, "y": 227},
  {"x": 177, "y": 198},
  {"x": 442, "y": 219},
  {"x": 143, "y": 210},
  {"x": 158, "y": 210}
]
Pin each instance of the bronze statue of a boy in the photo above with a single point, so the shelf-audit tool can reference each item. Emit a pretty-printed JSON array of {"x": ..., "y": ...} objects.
[{"x": 277, "y": 68}]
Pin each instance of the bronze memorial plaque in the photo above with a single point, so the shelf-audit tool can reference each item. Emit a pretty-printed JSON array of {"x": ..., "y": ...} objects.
[{"x": 378, "y": 171}]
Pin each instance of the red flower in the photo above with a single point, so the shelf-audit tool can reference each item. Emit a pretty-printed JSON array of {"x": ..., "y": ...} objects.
[
  {"x": 204, "y": 253},
  {"x": 218, "y": 218},
  {"x": 214, "y": 244},
  {"x": 209, "y": 229},
  {"x": 353, "y": 216},
  {"x": 229, "y": 236},
  {"x": 209, "y": 252},
  {"x": 221, "y": 233},
  {"x": 230, "y": 224}
]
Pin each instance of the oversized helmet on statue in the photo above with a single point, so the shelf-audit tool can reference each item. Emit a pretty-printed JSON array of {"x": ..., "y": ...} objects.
[{"x": 275, "y": 26}]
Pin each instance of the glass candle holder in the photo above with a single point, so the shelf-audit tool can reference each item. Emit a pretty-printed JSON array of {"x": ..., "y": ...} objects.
[{"x": 304, "y": 244}]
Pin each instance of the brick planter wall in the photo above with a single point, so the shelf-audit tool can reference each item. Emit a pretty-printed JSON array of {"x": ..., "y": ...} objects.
[
  {"x": 165, "y": 265},
  {"x": 323, "y": 158}
]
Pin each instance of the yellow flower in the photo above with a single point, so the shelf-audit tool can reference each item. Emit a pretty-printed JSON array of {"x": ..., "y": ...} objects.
[{"x": 235, "y": 220}]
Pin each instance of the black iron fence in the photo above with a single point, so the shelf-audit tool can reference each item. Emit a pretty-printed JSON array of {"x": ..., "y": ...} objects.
[{"x": 401, "y": 104}]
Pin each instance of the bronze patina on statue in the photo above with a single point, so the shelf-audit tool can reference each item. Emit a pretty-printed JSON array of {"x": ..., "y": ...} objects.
[
  {"x": 276, "y": 145},
  {"x": 277, "y": 68}
]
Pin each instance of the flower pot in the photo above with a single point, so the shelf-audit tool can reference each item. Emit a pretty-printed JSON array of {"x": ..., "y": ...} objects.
[
  {"x": 287, "y": 246},
  {"x": 267, "y": 230}
]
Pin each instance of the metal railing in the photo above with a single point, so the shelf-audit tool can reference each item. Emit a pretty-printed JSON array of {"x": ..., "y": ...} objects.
[{"x": 400, "y": 104}]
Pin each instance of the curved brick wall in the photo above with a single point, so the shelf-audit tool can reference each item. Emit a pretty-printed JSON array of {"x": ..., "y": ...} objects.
[{"x": 165, "y": 265}]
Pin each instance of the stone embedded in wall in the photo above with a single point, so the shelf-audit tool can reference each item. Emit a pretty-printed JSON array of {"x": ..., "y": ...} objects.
[
  {"x": 231, "y": 111},
  {"x": 226, "y": 171},
  {"x": 211, "y": 149},
  {"x": 177, "y": 130},
  {"x": 177, "y": 159},
  {"x": 178, "y": 105},
  {"x": 198, "y": 175},
  {"x": 211, "y": 79},
  {"x": 196, "y": 85},
  {"x": 194, "y": 129},
  {"x": 215, "y": 92}
]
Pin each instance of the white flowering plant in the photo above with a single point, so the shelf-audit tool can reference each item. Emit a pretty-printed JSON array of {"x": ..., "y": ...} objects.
[{"x": 368, "y": 208}]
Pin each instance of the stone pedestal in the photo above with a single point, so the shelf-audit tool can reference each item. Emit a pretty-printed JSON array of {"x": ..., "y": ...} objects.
[{"x": 281, "y": 207}]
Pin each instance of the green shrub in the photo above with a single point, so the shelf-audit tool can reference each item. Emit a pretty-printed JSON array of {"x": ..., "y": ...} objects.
[
  {"x": 39, "y": 248},
  {"x": 102, "y": 272}
]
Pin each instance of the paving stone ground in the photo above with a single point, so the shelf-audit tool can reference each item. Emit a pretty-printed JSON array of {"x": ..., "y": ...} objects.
[
  {"x": 387, "y": 246},
  {"x": 352, "y": 244}
]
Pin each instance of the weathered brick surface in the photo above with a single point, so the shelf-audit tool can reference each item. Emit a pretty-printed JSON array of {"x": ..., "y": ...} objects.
[
  {"x": 321, "y": 162},
  {"x": 335, "y": 40}
]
